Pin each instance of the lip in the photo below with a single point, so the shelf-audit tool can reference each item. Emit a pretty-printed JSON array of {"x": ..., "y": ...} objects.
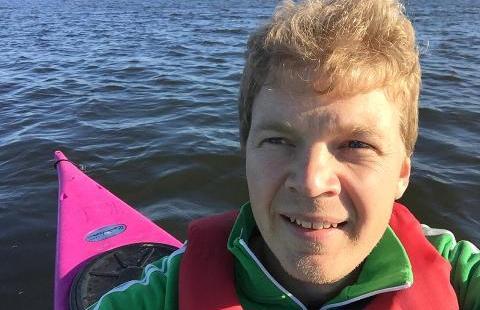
[
  {"x": 317, "y": 235},
  {"x": 315, "y": 219}
]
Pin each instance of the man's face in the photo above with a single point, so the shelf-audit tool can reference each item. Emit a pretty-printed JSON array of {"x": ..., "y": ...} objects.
[{"x": 322, "y": 174}]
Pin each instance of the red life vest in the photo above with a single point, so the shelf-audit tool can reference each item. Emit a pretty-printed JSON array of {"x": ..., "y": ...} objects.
[{"x": 206, "y": 280}]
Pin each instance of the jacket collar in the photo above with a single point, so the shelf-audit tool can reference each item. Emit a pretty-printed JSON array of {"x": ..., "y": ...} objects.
[{"x": 386, "y": 268}]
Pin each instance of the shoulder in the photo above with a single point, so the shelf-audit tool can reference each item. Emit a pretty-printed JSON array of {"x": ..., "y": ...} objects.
[
  {"x": 156, "y": 288},
  {"x": 464, "y": 258},
  {"x": 445, "y": 243}
]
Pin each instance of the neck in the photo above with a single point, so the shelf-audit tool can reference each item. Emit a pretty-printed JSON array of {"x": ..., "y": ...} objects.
[{"x": 312, "y": 295}]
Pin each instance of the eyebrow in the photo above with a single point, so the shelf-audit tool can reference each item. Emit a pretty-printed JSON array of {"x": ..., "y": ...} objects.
[
  {"x": 354, "y": 129},
  {"x": 364, "y": 131},
  {"x": 274, "y": 126}
]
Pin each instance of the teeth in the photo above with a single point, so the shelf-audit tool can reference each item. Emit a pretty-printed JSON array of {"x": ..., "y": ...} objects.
[{"x": 305, "y": 224}]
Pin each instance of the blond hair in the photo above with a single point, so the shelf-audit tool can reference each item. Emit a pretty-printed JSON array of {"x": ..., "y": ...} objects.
[{"x": 358, "y": 45}]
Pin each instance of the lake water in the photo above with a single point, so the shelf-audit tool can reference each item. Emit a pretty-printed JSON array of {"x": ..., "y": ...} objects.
[{"x": 144, "y": 94}]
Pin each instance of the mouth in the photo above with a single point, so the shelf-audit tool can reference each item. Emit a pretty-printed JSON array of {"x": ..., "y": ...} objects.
[{"x": 312, "y": 225}]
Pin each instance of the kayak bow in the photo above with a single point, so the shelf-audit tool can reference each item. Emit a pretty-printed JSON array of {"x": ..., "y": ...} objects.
[{"x": 92, "y": 221}]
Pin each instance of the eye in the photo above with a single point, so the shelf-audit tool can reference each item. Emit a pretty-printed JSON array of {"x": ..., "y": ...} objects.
[
  {"x": 356, "y": 144},
  {"x": 276, "y": 141}
]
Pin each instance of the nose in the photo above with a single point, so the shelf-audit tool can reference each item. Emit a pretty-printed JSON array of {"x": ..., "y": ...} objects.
[{"x": 313, "y": 173}]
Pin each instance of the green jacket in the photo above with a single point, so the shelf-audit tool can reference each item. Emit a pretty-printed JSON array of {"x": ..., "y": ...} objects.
[{"x": 257, "y": 289}]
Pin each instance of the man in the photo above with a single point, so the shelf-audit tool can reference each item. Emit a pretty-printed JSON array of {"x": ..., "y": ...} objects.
[{"x": 328, "y": 122}]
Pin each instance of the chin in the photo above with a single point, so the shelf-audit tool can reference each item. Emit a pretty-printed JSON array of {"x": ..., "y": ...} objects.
[{"x": 310, "y": 270}]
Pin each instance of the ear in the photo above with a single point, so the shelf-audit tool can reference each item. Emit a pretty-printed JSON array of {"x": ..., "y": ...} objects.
[{"x": 404, "y": 177}]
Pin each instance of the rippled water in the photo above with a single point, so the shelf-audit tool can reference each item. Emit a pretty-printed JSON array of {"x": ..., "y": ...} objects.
[{"x": 144, "y": 94}]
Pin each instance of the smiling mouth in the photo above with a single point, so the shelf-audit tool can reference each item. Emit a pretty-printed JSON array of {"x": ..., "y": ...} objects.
[{"x": 317, "y": 225}]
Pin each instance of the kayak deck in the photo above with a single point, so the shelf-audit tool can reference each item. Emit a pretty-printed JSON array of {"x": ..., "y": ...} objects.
[
  {"x": 112, "y": 268},
  {"x": 91, "y": 221}
]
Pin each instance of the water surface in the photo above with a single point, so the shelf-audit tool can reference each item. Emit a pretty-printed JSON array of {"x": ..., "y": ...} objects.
[{"x": 144, "y": 94}]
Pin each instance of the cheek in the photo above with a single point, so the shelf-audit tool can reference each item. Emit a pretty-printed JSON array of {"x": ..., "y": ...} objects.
[
  {"x": 256, "y": 173},
  {"x": 262, "y": 166},
  {"x": 264, "y": 177},
  {"x": 371, "y": 194}
]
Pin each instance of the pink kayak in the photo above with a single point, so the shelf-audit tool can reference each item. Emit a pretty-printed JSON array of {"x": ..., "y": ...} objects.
[{"x": 99, "y": 238}]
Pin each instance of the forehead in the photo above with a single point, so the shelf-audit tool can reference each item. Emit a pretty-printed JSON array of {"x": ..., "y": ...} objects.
[{"x": 296, "y": 103}]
